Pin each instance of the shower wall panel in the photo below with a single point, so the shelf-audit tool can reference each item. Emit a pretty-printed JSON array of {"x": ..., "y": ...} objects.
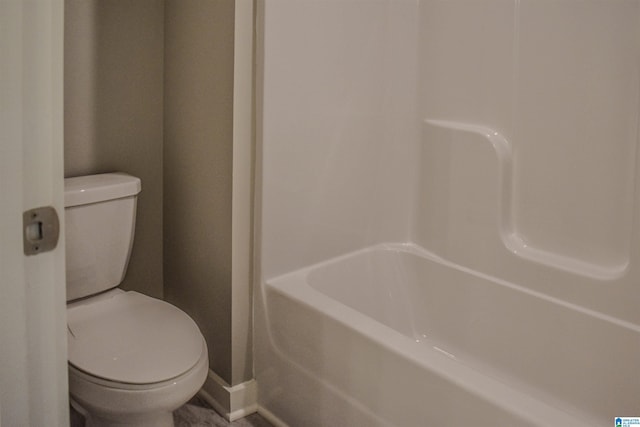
[
  {"x": 552, "y": 206},
  {"x": 338, "y": 127}
]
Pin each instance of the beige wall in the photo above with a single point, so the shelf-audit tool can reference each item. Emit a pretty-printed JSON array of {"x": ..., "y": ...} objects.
[
  {"x": 113, "y": 90},
  {"x": 149, "y": 90},
  {"x": 198, "y": 155}
]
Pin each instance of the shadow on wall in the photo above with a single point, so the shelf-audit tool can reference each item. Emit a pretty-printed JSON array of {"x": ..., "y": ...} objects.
[{"x": 113, "y": 92}]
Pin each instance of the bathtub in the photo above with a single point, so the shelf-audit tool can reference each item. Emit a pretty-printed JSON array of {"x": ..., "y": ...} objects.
[{"x": 391, "y": 335}]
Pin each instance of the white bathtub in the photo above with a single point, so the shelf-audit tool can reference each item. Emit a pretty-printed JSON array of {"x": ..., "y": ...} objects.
[{"x": 391, "y": 335}]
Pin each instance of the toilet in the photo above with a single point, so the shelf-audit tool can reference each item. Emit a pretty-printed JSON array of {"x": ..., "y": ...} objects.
[{"x": 133, "y": 359}]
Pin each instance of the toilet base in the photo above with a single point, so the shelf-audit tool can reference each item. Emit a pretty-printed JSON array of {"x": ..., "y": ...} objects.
[
  {"x": 163, "y": 419},
  {"x": 107, "y": 404}
]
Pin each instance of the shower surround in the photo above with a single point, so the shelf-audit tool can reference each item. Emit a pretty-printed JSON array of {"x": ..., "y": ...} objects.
[{"x": 447, "y": 212}]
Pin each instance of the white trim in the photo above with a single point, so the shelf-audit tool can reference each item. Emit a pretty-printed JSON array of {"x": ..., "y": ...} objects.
[{"x": 231, "y": 402}]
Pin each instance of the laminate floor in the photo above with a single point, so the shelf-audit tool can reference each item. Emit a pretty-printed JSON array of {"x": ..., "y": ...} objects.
[{"x": 196, "y": 413}]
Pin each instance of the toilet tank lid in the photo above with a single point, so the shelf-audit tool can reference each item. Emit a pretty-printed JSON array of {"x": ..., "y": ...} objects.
[{"x": 83, "y": 190}]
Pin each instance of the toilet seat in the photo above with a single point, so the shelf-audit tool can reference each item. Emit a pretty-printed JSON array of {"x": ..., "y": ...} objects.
[
  {"x": 131, "y": 338},
  {"x": 76, "y": 375}
]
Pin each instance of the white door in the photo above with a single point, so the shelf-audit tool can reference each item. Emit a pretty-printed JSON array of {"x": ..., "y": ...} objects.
[{"x": 33, "y": 355}]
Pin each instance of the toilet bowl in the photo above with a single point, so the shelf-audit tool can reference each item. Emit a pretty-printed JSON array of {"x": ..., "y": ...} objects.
[{"x": 133, "y": 359}]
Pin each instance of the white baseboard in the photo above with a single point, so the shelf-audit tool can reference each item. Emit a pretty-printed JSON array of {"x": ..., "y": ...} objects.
[{"x": 231, "y": 402}]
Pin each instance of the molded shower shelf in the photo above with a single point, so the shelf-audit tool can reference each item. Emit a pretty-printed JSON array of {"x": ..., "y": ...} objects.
[{"x": 474, "y": 211}]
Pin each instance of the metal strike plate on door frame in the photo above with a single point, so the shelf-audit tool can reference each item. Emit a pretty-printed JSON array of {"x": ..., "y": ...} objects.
[{"x": 41, "y": 229}]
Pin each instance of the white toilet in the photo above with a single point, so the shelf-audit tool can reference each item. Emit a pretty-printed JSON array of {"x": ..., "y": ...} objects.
[{"x": 133, "y": 359}]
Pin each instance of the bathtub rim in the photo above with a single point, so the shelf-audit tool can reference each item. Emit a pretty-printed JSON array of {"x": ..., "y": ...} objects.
[{"x": 417, "y": 250}]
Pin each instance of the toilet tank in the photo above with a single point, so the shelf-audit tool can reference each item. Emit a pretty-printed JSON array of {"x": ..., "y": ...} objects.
[{"x": 100, "y": 215}]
